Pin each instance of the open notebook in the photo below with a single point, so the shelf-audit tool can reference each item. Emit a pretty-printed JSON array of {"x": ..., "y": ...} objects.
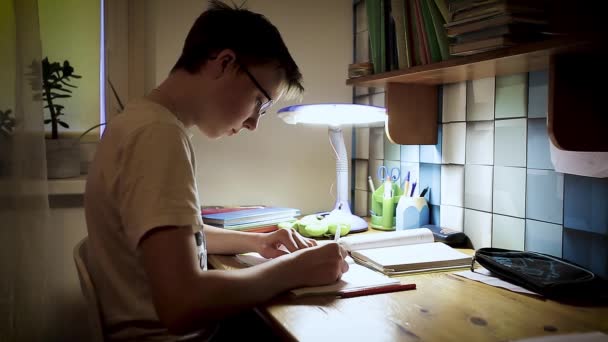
[
  {"x": 357, "y": 277},
  {"x": 404, "y": 251}
]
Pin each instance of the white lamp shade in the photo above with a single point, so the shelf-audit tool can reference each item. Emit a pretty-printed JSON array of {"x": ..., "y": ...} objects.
[{"x": 333, "y": 114}]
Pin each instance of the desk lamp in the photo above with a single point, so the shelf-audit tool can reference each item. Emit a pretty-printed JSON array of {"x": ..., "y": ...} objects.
[{"x": 335, "y": 115}]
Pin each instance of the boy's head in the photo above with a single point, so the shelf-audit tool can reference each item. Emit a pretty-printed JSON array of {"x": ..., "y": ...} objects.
[{"x": 231, "y": 41}]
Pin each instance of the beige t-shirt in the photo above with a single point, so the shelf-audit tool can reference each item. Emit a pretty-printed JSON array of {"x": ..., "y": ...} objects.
[{"x": 143, "y": 177}]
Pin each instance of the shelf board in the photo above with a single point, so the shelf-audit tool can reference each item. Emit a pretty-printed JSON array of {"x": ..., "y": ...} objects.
[
  {"x": 511, "y": 60},
  {"x": 67, "y": 186}
]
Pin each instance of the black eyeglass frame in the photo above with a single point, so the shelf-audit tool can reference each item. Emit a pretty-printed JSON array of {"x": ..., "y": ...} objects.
[{"x": 270, "y": 101}]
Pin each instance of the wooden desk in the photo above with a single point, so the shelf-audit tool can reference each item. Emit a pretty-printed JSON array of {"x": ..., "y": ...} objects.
[{"x": 444, "y": 307}]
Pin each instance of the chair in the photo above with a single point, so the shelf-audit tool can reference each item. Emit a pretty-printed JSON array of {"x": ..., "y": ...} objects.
[{"x": 88, "y": 290}]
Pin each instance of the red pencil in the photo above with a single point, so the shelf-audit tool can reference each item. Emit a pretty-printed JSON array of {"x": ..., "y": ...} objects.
[{"x": 376, "y": 290}]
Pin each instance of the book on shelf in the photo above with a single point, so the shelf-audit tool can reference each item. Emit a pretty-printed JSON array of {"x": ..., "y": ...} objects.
[
  {"x": 469, "y": 48},
  {"x": 497, "y": 31},
  {"x": 443, "y": 9},
  {"x": 377, "y": 35},
  {"x": 414, "y": 34},
  {"x": 440, "y": 32},
  {"x": 429, "y": 27},
  {"x": 399, "y": 14},
  {"x": 263, "y": 215},
  {"x": 454, "y": 29},
  {"x": 423, "y": 38},
  {"x": 402, "y": 252},
  {"x": 357, "y": 278},
  {"x": 498, "y": 7}
]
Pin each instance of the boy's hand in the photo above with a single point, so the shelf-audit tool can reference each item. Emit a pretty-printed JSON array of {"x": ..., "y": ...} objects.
[
  {"x": 320, "y": 265},
  {"x": 269, "y": 244}
]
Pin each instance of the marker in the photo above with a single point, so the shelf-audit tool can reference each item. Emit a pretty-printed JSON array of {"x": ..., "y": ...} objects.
[{"x": 424, "y": 191}]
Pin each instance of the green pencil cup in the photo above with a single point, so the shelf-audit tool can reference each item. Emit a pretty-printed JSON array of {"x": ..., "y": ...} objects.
[{"x": 384, "y": 209}]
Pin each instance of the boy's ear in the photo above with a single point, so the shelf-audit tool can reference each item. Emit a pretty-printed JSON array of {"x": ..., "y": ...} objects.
[{"x": 224, "y": 62}]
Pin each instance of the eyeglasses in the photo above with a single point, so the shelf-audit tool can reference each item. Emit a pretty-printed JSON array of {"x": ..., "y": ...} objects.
[{"x": 261, "y": 106}]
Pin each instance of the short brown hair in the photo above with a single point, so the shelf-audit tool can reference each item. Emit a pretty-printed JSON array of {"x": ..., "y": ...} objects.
[{"x": 253, "y": 38}]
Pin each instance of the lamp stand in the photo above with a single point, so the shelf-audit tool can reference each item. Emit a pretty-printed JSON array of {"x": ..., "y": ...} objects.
[{"x": 342, "y": 207}]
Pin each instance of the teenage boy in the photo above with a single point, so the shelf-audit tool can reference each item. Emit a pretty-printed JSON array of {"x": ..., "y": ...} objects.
[{"x": 147, "y": 243}]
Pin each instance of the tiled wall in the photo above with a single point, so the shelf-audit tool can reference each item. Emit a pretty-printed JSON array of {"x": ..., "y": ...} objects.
[{"x": 490, "y": 174}]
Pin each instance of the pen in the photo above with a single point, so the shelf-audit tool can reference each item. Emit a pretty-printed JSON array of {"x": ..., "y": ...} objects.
[
  {"x": 424, "y": 191},
  {"x": 413, "y": 188},
  {"x": 337, "y": 236},
  {"x": 371, "y": 183},
  {"x": 376, "y": 290}
]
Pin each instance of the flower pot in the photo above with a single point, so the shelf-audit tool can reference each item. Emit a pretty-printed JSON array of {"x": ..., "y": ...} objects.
[{"x": 62, "y": 158}]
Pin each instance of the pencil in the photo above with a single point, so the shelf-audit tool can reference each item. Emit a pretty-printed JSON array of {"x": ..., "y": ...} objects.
[
  {"x": 371, "y": 184},
  {"x": 376, "y": 290}
]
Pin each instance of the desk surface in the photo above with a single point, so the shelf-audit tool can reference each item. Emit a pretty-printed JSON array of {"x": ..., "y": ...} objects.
[{"x": 444, "y": 307}]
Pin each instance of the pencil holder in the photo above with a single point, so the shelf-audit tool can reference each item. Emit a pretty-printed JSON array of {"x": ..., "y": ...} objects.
[
  {"x": 411, "y": 212},
  {"x": 383, "y": 209}
]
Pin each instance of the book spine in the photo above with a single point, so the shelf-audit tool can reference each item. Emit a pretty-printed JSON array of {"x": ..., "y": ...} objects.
[
  {"x": 409, "y": 53},
  {"x": 414, "y": 34},
  {"x": 426, "y": 55},
  {"x": 376, "y": 37},
  {"x": 429, "y": 28},
  {"x": 442, "y": 38},
  {"x": 443, "y": 9},
  {"x": 397, "y": 12}
]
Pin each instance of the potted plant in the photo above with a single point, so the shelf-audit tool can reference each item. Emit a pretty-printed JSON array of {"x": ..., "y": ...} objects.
[{"x": 62, "y": 154}]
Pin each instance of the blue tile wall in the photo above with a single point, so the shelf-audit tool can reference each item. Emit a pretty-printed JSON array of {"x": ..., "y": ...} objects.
[
  {"x": 538, "y": 94},
  {"x": 432, "y": 153},
  {"x": 586, "y": 203},
  {"x": 539, "y": 156},
  {"x": 545, "y": 196},
  {"x": 587, "y": 249},
  {"x": 430, "y": 176},
  {"x": 516, "y": 199},
  {"x": 544, "y": 237}
]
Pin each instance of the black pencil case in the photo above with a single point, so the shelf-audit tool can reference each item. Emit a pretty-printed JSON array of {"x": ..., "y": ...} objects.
[{"x": 547, "y": 275}]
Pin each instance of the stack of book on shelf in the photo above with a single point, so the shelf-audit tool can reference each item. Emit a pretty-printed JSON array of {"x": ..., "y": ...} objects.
[
  {"x": 248, "y": 218},
  {"x": 406, "y": 33},
  {"x": 482, "y": 25}
]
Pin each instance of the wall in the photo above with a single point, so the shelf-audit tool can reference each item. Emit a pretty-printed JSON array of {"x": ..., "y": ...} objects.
[
  {"x": 278, "y": 164},
  {"x": 70, "y": 29},
  {"x": 491, "y": 176},
  {"x": 8, "y": 60}
]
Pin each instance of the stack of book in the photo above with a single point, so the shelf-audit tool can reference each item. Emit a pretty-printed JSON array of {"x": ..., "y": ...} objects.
[
  {"x": 482, "y": 25},
  {"x": 257, "y": 219}
]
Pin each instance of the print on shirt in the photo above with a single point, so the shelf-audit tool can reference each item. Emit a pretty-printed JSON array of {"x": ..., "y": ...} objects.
[{"x": 201, "y": 246}]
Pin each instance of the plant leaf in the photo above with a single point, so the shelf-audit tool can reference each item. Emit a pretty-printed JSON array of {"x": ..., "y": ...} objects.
[
  {"x": 64, "y": 89},
  {"x": 67, "y": 84},
  {"x": 63, "y": 124},
  {"x": 47, "y": 121}
]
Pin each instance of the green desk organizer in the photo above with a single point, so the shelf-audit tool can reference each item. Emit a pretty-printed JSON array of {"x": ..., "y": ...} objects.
[{"x": 382, "y": 207}]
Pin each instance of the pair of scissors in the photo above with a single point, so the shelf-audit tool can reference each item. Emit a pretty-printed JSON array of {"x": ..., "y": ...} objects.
[{"x": 394, "y": 173}]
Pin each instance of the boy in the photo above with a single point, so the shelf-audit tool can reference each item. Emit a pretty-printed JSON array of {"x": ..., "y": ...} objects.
[{"x": 147, "y": 242}]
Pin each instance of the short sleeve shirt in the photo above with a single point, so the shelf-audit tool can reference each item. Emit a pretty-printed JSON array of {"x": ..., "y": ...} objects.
[{"x": 142, "y": 177}]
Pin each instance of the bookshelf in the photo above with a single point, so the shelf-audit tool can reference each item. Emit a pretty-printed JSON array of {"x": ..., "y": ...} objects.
[{"x": 411, "y": 94}]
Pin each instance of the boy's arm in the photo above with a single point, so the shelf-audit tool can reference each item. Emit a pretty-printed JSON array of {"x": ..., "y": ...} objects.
[
  {"x": 185, "y": 296},
  {"x": 224, "y": 241}
]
